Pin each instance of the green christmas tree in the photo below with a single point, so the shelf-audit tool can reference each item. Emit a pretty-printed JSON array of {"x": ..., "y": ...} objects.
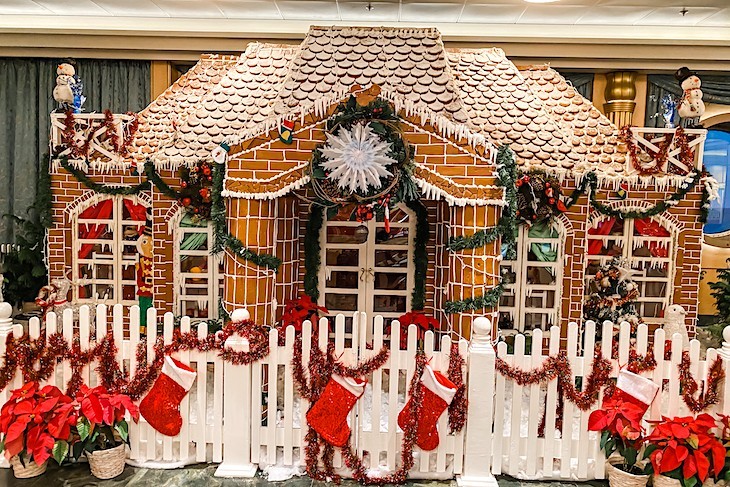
[{"x": 611, "y": 295}]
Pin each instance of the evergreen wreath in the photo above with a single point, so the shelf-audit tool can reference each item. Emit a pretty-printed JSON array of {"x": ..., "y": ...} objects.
[
  {"x": 612, "y": 295},
  {"x": 372, "y": 136},
  {"x": 538, "y": 197}
]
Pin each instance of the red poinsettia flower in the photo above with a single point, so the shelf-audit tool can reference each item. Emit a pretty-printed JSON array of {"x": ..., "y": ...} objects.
[
  {"x": 686, "y": 446},
  {"x": 101, "y": 408},
  {"x": 33, "y": 420},
  {"x": 416, "y": 317},
  {"x": 296, "y": 312},
  {"x": 615, "y": 415}
]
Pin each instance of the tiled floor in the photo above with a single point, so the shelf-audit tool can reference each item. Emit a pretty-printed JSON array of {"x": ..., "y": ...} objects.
[{"x": 199, "y": 475}]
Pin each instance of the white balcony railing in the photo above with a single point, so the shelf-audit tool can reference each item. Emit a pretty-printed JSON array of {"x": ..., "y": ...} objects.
[
  {"x": 92, "y": 139},
  {"x": 651, "y": 140}
]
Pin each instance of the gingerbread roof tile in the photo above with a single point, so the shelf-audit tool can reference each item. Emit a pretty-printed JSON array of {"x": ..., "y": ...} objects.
[
  {"x": 474, "y": 93},
  {"x": 242, "y": 98},
  {"x": 160, "y": 120}
]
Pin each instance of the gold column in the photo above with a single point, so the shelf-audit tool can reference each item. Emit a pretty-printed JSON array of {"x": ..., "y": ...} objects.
[{"x": 620, "y": 93}]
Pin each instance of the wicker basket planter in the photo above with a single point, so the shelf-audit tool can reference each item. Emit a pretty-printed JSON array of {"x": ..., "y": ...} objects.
[
  {"x": 107, "y": 464},
  {"x": 620, "y": 478},
  {"x": 664, "y": 481},
  {"x": 30, "y": 470}
]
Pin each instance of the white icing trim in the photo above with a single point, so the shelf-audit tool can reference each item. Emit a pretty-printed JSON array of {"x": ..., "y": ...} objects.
[
  {"x": 352, "y": 385},
  {"x": 431, "y": 383},
  {"x": 182, "y": 377}
]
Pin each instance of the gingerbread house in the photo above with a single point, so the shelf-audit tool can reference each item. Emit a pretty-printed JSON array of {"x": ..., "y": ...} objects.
[{"x": 448, "y": 227}]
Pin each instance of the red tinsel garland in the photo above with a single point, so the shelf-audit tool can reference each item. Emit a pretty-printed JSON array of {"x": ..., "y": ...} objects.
[
  {"x": 68, "y": 135},
  {"x": 559, "y": 367},
  {"x": 679, "y": 137},
  {"x": 400, "y": 476},
  {"x": 689, "y": 385},
  {"x": 459, "y": 405},
  {"x": 120, "y": 148},
  {"x": 321, "y": 367},
  {"x": 37, "y": 358}
]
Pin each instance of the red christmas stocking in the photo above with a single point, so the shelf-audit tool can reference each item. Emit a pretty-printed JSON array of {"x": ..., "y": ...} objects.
[
  {"x": 635, "y": 389},
  {"x": 328, "y": 416},
  {"x": 438, "y": 392},
  {"x": 161, "y": 406}
]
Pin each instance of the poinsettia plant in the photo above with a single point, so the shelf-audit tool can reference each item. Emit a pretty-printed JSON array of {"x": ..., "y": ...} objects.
[
  {"x": 101, "y": 424},
  {"x": 416, "y": 317},
  {"x": 622, "y": 435},
  {"x": 685, "y": 449},
  {"x": 297, "y": 311},
  {"x": 35, "y": 423},
  {"x": 724, "y": 422}
]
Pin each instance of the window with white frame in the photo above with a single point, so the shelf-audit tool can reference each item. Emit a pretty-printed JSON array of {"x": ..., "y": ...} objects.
[
  {"x": 198, "y": 272},
  {"x": 105, "y": 250},
  {"x": 532, "y": 296},
  {"x": 648, "y": 247}
]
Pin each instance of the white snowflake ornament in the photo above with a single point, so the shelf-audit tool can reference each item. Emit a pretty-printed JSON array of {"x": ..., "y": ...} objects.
[{"x": 357, "y": 158}]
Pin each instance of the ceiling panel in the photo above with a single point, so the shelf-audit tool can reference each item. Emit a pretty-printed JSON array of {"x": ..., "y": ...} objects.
[
  {"x": 22, "y": 7},
  {"x": 430, "y": 11},
  {"x": 235, "y": 9},
  {"x": 489, "y": 12},
  {"x": 308, "y": 10},
  {"x": 71, "y": 7},
  {"x": 722, "y": 18},
  {"x": 670, "y": 16},
  {"x": 380, "y": 11},
  {"x": 190, "y": 8},
  {"x": 552, "y": 14},
  {"x": 131, "y": 8},
  {"x": 614, "y": 15}
]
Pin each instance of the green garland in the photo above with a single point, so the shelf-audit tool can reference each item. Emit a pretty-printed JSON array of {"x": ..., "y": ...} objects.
[
  {"x": 103, "y": 188},
  {"x": 223, "y": 239},
  {"x": 488, "y": 300},
  {"x": 506, "y": 227},
  {"x": 312, "y": 258},
  {"x": 420, "y": 255},
  {"x": 590, "y": 185}
]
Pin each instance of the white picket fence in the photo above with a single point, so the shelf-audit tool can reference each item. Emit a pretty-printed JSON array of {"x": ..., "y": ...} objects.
[
  {"x": 246, "y": 417},
  {"x": 573, "y": 452}
]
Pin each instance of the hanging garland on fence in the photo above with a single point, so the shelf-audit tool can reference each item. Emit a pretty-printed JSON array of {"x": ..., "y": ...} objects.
[
  {"x": 459, "y": 405},
  {"x": 654, "y": 160},
  {"x": 37, "y": 358},
  {"x": 689, "y": 386}
]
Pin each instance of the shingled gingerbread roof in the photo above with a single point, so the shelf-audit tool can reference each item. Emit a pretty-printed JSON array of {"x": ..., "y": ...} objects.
[{"x": 535, "y": 110}]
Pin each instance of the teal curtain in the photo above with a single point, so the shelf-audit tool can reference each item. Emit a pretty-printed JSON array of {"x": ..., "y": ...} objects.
[
  {"x": 582, "y": 82},
  {"x": 25, "y": 104}
]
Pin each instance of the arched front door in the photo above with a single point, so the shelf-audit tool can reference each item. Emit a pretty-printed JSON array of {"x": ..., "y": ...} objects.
[{"x": 365, "y": 267}]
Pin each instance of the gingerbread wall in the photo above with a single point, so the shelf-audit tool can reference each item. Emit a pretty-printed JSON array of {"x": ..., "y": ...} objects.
[
  {"x": 266, "y": 164},
  {"x": 683, "y": 218}
]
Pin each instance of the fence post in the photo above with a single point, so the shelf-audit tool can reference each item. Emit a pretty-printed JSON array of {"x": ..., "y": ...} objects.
[
  {"x": 724, "y": 354},
  {"x": 6, "y": 329},
  {"x": 479, "y": 432},
  {"x": 236, "y": 416}
]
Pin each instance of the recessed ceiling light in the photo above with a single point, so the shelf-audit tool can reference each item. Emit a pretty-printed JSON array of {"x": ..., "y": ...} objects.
[{"x": 541, "y": 1}]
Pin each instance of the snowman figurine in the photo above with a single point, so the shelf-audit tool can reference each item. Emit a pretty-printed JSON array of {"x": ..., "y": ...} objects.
[
  {"x": 69, "y": 89},
  {"x": 691, "y": 106}
]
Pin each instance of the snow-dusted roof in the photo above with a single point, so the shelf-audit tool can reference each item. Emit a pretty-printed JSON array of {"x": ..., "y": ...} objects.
[{"x": 468, "y": 92}]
